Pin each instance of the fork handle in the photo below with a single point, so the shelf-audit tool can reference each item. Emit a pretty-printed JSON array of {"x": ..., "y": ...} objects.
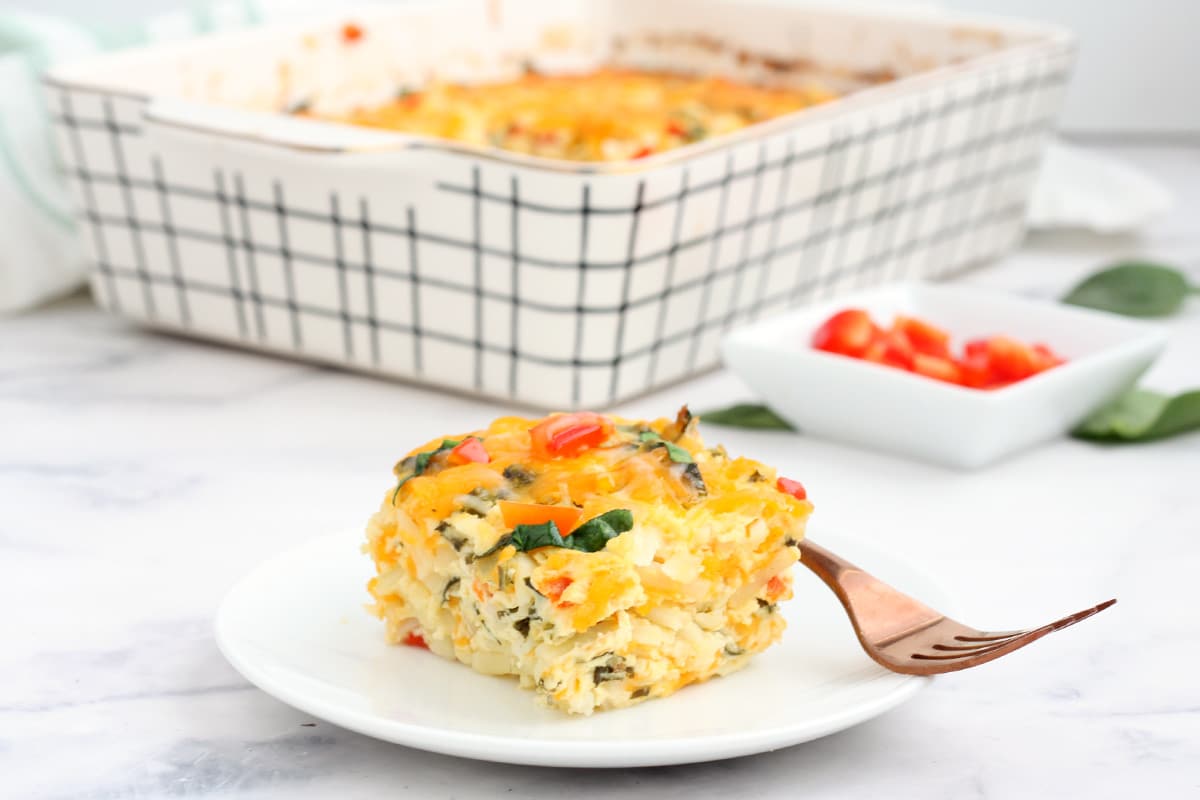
[{"x": 880, "y": 614}]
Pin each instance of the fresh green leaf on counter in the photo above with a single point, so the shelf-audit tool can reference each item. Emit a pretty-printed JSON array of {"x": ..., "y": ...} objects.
[
  {"x": 1134, "y": 288},
  {"x": 1142, "y": 416},
  {"x": 746, "y": 415}
]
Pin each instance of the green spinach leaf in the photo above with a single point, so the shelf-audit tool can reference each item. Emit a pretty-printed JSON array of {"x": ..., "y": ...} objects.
[
  {"x": 747, "y": 415},
  {"x": 421, "y": 462},
  {"x": 589, "y": 537},
  {"x": 595, "y": 533},
  {"x": 1135, "y": 289},
  {"x": 531, "y": 537},
  {"x": 676, "y": 453},
  {"x": 1142, "y": 416}
]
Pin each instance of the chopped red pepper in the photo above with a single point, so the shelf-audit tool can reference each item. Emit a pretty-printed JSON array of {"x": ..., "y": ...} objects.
[
  {"x": 554, "y": 588},
  {"x": 469, "y": 450},
  {"x": 643, "y": 152},
  {"x": 892, "y": 348},
  {"x": 848, "y": 332},
  {"x": 794, "y": 488},
  {"x": 675, "y": 129},
  {"x": 1046, "y": 358},
  {"x": 1010, "y": 360},
  {"x": 569, "y": 434},
  {"x": 351, "y": 33},
  {"x": 925, "y": 338},
  {"x": 942, "y": 369},
  {"x": 916, "y": 346},
  {"x": 415, "y": 640}
]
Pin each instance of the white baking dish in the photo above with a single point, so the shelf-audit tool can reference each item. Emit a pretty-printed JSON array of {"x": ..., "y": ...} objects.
[{"x": 546, "y": 282}]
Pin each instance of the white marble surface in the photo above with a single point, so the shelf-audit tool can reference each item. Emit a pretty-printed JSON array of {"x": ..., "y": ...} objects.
[{"x": 141, "y": 475}]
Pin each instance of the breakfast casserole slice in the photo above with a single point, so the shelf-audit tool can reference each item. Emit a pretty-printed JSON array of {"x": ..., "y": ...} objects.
[{"x": 602, "y": 561}]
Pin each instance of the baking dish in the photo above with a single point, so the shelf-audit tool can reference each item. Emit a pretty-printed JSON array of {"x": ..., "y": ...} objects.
[{"x": 543, "y": 282}]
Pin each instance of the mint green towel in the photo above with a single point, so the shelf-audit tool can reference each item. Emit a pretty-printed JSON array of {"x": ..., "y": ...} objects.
[{"x": 42, "y": 257}]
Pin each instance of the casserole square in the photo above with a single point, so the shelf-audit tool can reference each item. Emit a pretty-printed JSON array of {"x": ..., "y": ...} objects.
[{"x": 682, "y": 584}]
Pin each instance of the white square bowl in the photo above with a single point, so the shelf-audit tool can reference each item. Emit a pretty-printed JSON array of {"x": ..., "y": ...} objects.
[{"x": 884, "y": 408}]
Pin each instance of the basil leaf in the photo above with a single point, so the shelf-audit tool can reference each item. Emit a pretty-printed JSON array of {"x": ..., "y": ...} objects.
[
  {"x": 1142, "y": 416},
  {"x": 747, "y": 415},
  {"x": 531, "y": 537},
  {"x": 674, "y": 451},
  {"x": 592, "y": 535},
  {"x": 1135, "y": 289}
]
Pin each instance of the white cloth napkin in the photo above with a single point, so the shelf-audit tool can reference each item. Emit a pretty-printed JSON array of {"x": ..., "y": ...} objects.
[{"x": 1083, "y": 189}]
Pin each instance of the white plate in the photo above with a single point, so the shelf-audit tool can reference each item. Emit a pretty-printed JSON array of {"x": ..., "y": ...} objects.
[
  {"x": 883, "y": 408},
  {"x": 296, "y": 627}
]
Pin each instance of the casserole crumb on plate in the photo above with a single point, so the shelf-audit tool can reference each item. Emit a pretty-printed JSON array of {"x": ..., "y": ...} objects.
[{"x": 602, "y": 561}]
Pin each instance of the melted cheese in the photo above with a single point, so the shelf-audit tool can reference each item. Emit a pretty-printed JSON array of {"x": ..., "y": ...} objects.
[{"x": 606, "y": 115}]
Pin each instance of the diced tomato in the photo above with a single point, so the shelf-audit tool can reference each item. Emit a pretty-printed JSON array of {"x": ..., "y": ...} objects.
[
  {"x": 849, "y": 333},
  {"x": 554, "y": 588},
  {"x": 919, "y": 347},
  {"x": 1010, "y": 360},
  {"x": 564, "y": 517},
  {"x": 415, "y": 639},
  {"x": 351, "y": 33},
  {"x": 775, "y": 586},
  {"x": 570, "y": 434},
  {"x": 1045, "y": 358},
  {"x": 891, "y": 348},
  {"x": 925, "y": 338},
  {"x": 942, "y": 369},
  {"x": 794, "y": 488},
  {"x": 976, "y": 348},
  {"x": 973, "y": 372},
  {"x": 675, "y": 129},
  {"x": 643, "y": 152},
  {"x": 469, "y": 450}
]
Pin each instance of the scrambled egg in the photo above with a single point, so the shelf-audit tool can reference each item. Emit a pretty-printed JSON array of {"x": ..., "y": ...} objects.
[
  {"x": 602, "y": 561},
  {"x": 606, "y": 115}
]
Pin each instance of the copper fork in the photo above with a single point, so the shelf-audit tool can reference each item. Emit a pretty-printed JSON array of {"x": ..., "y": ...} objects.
[{"x": 904, "y": 635}]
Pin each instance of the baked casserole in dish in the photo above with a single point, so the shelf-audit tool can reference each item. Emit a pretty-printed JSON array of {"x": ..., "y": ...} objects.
[
  {"x": 601, "y": 561},
  {"x": 559, "y": 204},
  {"x": 603, "y": 115}
]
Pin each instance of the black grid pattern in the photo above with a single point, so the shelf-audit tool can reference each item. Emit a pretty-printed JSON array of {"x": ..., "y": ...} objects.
[{"x": 932, "y": 185}]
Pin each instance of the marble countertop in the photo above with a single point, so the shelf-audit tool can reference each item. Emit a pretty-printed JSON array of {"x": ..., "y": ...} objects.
[{"x": 142, "y": 474}]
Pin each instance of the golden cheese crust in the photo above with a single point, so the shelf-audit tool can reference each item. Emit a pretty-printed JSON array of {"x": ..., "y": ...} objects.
[
  {"x": 682, "y": 586},
  {"x": 604, "y": 115}
]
